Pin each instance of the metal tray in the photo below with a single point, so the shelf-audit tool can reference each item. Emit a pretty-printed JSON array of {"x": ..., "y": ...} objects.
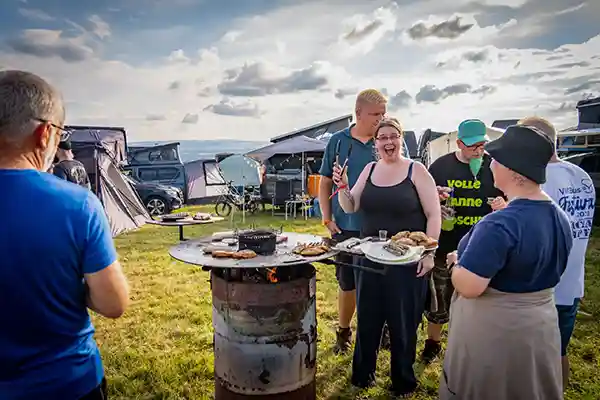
[{"x": 192, "y": 252}]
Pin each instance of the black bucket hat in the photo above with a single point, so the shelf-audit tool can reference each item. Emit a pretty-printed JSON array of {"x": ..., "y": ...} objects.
[
  {"x": 524, "y": 150},
  {"x": 65, "y": 145}
]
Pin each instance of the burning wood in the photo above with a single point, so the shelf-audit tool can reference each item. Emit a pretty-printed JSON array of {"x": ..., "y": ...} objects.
[{"x": 272, "y": 275}]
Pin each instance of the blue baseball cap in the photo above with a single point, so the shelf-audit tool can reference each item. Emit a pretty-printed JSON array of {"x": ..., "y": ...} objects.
[{"x": 472, "y": 131}]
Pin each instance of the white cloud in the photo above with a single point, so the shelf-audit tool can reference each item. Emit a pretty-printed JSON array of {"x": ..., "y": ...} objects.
[
  {"x": 46, "y": 43},
  {"x": 507, "y": 3},
  {"x": 231, "y": 36},
  {"x": 35, "y": 14},
  {"x": 438, "y": 31},
  {"x": 270, "y": 74},
  {"x": 230, "y": 107},
  {"x": 362, "y": 32},
  {"x": 178, "y": 56},
  {"x": 100, "y": 27}
]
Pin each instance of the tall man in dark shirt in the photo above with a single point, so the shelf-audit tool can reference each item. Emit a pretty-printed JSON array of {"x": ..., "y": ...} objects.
[
  {"x": 370, "y": 108},
  {"x": 68, "y": 168},
  {"x": 467, "y": 173}
]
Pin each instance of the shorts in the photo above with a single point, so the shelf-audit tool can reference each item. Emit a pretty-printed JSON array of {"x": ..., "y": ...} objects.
[
  {"x": 566, "y": 324},
  {"x": 345, "y": 275},
  {"x": 439, "y": 295}
]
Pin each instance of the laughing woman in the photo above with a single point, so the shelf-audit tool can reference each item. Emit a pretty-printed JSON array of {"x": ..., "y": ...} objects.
[
  {"x": 503, "y": 338},
  {"x": 394, "y": 194}
]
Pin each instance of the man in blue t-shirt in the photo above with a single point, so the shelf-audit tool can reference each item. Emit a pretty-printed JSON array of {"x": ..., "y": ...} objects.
[
  {"x": 58, "y": 256},
  {"x": 370, "y": 108}
]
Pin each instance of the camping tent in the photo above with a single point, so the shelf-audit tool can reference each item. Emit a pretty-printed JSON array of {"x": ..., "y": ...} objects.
[
  {"x": 204, "y": 181},
  {"x": 447, "y": 143},
  {"x": 101, "y": 151},
  {"x": 240, "y": 170}
]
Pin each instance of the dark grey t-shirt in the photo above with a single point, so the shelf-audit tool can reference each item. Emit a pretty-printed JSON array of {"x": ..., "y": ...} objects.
[{"x": 72, "y": 171}]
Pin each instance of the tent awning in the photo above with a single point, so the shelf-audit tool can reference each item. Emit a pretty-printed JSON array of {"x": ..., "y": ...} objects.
[{"x": 296, "y": 145}]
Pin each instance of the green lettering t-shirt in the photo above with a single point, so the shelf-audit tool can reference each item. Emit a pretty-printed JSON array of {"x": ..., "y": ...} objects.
[{"x": 469, "y": 197}]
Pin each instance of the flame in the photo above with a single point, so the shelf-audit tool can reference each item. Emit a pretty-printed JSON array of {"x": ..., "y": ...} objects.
[{"x": 271, "y": 272}]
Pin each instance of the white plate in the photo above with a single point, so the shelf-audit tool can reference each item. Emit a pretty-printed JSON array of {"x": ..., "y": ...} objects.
[{"x": 375, "y": 252}]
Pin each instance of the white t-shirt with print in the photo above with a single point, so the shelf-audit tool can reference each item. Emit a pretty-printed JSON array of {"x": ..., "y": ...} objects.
[{"x": 573, "y": 190}]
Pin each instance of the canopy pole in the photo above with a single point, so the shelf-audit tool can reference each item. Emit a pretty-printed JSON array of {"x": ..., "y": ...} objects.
[{"x": 303, "y": 176}]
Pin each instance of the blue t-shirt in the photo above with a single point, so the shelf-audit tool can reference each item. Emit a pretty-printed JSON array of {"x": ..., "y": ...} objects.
[
  {"x": 523, "y": 248},
  {"x": 52, "y": 233},
  {"x": 362, "y": 154}
]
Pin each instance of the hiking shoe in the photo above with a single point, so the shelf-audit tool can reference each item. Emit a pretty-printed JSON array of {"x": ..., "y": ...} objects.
[
  {"x": 431, "y": 350},
  {"x": 343, "y": 338},
  {"x": 385, "y": 338}
]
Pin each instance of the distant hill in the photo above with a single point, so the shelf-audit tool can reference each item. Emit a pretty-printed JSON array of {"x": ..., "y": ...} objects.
[{"x": 204, "y": 149}]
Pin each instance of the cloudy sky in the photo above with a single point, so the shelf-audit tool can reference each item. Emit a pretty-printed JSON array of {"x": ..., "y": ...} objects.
[{"x": 253, "y": 69}]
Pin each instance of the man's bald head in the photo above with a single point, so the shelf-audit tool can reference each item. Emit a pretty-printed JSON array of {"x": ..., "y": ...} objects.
[{"x": 542, "y": 124}]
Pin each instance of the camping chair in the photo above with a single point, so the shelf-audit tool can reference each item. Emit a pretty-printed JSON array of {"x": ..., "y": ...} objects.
[{"x": 282, "y": 192}]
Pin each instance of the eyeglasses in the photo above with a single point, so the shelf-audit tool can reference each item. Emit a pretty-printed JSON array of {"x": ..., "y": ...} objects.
[
  {"x": 477, "y": 146},
  {"x": 386, "y": 138},
  {"x": 65, "y": 134}
]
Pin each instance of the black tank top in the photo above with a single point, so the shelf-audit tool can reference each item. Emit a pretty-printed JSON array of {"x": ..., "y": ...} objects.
[{"x": 392, "y": 208}]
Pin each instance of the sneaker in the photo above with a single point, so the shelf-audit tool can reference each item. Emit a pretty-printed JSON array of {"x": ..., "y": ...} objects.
[
  {"x": 385, "y": 338},
  {"x": 343, "y": 340},
  {"x": 431, "y": 350}
]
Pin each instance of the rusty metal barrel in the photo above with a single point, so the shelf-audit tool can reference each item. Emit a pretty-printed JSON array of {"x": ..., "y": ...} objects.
[{"x": 265, "y": 338}]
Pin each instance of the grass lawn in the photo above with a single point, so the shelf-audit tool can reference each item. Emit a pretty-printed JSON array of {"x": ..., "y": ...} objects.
[{"x": 162, "y": 347}]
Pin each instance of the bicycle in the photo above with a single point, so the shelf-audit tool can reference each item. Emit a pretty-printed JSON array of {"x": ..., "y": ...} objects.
[{"x": 248, "y": 202}]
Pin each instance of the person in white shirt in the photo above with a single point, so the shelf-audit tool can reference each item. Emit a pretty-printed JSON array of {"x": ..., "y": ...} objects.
[{"x": 573, "y": 190}]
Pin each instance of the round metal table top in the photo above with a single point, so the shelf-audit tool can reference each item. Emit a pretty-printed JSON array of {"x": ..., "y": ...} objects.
[
  {"x": 185, "y": 221},
  {"x": 192, "y": 252}
]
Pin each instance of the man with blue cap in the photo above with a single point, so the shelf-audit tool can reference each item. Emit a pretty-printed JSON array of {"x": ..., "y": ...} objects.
[{"x": 467, "y": 176}]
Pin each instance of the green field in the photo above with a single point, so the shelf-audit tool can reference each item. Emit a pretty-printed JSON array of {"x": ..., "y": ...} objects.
[{"x": 162, "y": 347}]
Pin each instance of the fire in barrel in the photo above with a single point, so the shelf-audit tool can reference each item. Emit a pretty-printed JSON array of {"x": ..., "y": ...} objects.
[{"x": 265, "y": 327}]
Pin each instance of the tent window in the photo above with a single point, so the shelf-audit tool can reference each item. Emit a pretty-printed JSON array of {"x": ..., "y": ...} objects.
[
  {"x": 167, "y": 173},
  {"x": 147, "y": 174},
  {"x": 153, "y": 174},
  {"x": 163, "y": 155},
  {"x": 212, "y": 175}
]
